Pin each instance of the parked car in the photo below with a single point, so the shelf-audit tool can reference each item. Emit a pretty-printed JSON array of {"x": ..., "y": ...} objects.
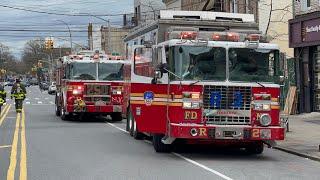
[
  {"x": 10, "y": 83},
  {"x": 33, "y": 81},
  {"x": 52, "y": 88},
  {"x": 25, "y": 83},
  {"x": 44, "y": 86}
]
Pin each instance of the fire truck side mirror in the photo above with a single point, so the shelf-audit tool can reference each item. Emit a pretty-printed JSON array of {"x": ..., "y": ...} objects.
[
  {"x": 157, "y": 74},
  {"x": 163, "y": 68},
  {"x": 281, "y": 80}
]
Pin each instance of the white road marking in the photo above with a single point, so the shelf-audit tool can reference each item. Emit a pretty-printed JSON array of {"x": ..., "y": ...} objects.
[
  {"x": 39, "y": 102},
  {"x": 184, "y": 158},
  {"x": 36, "y": 98},
  {"x": 123, "y": 130},
  {"x": 51, "y": 102},
  {"x": 46, "y": 98},
  {"x": 27, "y": 99},
  {"x": 28, "y": 102},
  {"x": 202, "y": 166}
]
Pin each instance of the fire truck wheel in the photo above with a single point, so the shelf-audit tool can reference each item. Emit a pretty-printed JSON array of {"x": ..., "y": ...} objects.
[
  {"x": 159, "y": 146},
  {"x": 116, "y": 116},
  {"x": 63, "y": 116},
  {"x": 135, "y": 133},
  {"x": 129, "y": 122},
  {"x": 58, "y": 111},
  {"x": 256, "y": 148}
]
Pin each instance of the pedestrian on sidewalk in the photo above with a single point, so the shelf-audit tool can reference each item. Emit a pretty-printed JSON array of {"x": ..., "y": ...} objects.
[
  {"x": 18, "y": 92},
  {"x": 3, "y": 96}
]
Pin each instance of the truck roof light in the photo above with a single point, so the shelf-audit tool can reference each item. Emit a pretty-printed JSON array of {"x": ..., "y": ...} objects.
[
  {"x": 188, "y": 35},
  {"x": 233, "y": 37},
  {"x": 254, "y": 37}
]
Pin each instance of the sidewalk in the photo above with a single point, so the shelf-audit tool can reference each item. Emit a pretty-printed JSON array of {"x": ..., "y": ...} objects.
[{"x": 304, "y": 136}]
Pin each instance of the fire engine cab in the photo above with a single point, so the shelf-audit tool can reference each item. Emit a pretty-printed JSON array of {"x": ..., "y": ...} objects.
[
  {"x": 89, "y": 83},
  {"x": 208, "y": 79}
]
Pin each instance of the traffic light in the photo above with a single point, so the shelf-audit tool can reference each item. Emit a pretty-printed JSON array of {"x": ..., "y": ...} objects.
[
  {"x": 49, "y": 44},
  {"x": 46, "y": 44}
]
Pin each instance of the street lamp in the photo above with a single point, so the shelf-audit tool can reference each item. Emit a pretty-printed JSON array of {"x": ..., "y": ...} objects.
[{"x": 69, "y": 32}]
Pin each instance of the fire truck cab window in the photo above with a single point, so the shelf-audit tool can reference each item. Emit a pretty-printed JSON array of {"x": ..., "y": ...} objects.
[
  {"x": 83, "y": 71},
  {"x": 252, "y": 64},
  {"x": 198, "y": 63},
  {"x": 143, "y": 65},
  {"x": 110, "y": 72}
]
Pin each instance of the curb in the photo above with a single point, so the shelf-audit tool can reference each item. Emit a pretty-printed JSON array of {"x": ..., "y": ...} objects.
[{"x": 295, "y": 152}]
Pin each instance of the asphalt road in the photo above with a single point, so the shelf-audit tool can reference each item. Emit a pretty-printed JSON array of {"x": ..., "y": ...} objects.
[{"x": 48, "y": 148}]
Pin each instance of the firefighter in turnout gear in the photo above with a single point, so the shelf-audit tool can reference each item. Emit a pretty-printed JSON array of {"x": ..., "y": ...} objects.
[
  {"x": 18, "y": 92},
  {"x": 3, "y": 96}
]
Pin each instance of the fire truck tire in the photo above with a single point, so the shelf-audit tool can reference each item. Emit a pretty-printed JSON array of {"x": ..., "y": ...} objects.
[
  {"x": 129, "y": 122},
  {"x": 116, "y": 116},
  {"x": 135, "y": 133},
  {"x": 159, "y": 146},
  {"x": 58, "y": 110},
  {"x": 63, "y": 116},
  {"x": 256, "y": 148}
]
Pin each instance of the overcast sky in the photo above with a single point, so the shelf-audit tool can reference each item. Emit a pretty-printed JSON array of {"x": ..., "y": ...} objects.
[{"x": 11, "y": 19}]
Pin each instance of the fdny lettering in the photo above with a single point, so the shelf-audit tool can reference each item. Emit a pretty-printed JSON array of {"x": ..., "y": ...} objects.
[
  {"x": 202, "y": 132},
  {"x": 215, "y": 99},
  {"x": 148, "y": 98},
  {"x": 190, "y": 115},
  {"x": 117, "y": 99}
]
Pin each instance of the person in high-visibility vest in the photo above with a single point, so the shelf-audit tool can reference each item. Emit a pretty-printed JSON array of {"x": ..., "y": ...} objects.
[
  {"x": 3, "y": 96},
  {"x": 18, "y": 92}
]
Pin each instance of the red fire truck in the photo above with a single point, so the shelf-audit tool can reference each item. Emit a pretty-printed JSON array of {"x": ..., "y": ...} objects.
[
  {"x": 89, "y": 83},
  {"x": 208, "y": 78}
]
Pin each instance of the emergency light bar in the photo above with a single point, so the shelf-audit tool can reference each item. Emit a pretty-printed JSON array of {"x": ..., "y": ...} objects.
[{"x": 217, "y": 36}]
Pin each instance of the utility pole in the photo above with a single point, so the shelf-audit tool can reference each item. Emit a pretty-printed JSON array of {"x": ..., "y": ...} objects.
[{"x": 109, "y": 36}]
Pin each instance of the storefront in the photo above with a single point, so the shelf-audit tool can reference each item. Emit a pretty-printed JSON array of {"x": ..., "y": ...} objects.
[{"x": 304, "y": 37}]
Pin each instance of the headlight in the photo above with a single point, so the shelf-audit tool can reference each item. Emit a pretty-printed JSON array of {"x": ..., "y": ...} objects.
[
  {"x": 265, "y": 120},
  {"x": 76, "y": 92},
  {"x": 261, "y": 107},
  {"x": 191, "y": 105}
]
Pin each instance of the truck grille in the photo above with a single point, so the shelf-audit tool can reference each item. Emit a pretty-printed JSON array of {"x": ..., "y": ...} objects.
[
  {"x": 97, "y": 93},
  {"x": 227, "y": 105}
]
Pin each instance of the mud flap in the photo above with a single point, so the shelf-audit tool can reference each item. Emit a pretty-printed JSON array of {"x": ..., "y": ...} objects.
[
  {"x": 167, "y": 140},
  {"x": 270, "y": 143}
]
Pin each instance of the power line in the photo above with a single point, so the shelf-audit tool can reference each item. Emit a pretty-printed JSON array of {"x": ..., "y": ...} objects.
[{"x": 59, "y": 14}]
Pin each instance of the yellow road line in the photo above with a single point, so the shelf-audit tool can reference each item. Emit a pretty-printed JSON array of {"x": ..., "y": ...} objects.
[
  {"x": 4, "y": 114},
  {"x": 13, "y": 156},
  {"x": 23, "y": 156},
  {"x": 5, "y": 146}
]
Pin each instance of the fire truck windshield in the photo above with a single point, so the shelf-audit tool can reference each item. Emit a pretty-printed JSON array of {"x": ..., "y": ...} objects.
[
  {"x": 198, "y": 62},
  {"x": 83, "y": 71},
  {"x": 110, "y": 71},
  {"x": 252, "y": 64}
]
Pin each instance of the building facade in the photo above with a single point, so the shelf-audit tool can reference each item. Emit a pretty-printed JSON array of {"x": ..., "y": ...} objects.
[
  {"x": 147, "y": 11},
  {"x": 116, "y": 43},
  {"x": 234, "y": 6},
  {"x": 304, "y": 37}
]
